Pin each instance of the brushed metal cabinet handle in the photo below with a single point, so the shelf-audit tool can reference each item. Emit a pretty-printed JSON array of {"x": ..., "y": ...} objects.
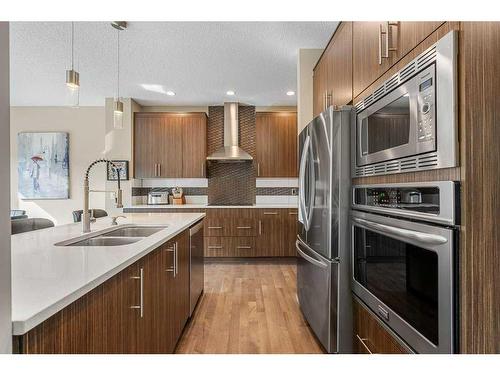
[
  {"x": 140, "y": 307},
  {"x": 243, "y": 247},
  {"x": 380, "y": 44},
  {"x": 260, "y": 227},
  {"x": 243, "y": 227},
  {"x": 176, "y": 258},
  {"x": 214, "y": 227},
  {"x": 172, "y": 268},
  {"x": 258, "y": 169},
  {"x": 215, "y": 247},
  {"x": 292, "y": 213},
  {"x": 270, "y": 213},
  {"x": 362, "y": 341},
  {"x": 159, "y": 170}
]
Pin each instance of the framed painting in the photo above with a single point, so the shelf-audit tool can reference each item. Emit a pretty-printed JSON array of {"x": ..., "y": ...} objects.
[
  {"x": 43, "y": 165},
  {"x": 112, "y": 173}
]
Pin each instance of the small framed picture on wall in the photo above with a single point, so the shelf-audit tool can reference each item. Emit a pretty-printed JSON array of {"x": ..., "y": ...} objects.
[{"x": 122, "y": 165}]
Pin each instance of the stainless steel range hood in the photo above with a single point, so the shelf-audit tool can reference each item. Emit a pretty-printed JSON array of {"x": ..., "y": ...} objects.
[{"x": 231, "y": 152}]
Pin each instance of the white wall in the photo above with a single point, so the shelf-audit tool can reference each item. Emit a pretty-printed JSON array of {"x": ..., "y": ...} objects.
[
  {"x": 305, "y": 64},
  {"x": 85, "y": 126},
  {"x": 5, "y": 280}
]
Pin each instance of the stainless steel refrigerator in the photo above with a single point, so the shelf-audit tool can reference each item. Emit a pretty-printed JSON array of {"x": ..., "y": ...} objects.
[{"x": 323, "y": 238}]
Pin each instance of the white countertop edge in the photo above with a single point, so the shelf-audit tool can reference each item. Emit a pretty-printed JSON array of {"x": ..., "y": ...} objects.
[{"x": 22, "y": 327}]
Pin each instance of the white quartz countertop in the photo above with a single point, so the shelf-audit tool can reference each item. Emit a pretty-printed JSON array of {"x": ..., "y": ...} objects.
[
  {"x": 46, "y": 278},
  {"x": 204, "y": 206}
]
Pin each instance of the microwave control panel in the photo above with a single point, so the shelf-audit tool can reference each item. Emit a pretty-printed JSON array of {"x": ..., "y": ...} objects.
[{"x": 426, "y": 107}]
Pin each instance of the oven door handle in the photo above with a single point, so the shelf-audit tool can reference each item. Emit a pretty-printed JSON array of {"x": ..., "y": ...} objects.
[
  {"x": 307, "y": 257},
  {"x": 425, "y": 238}
]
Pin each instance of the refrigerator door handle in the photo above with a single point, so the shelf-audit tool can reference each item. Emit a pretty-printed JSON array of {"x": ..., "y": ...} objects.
[
  {"x": 312, "y": 189},
  {"x": 302, "y": 183},
  {"x": 307, "y": 257}
]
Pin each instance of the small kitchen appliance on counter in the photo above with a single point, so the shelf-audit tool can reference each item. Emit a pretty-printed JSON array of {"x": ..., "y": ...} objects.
[
  {"x": 158, "y": 197},
  {"x": 178, "y": 196}
]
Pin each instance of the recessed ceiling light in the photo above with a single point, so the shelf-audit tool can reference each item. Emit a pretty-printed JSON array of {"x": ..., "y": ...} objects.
[
  {"x": 170, "y": 93},
  {"x": 290, "y": 93},
  {"x": 230, "y": 92}
]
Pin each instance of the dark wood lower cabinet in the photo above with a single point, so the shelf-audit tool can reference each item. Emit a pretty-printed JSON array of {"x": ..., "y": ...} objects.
[
  {"x": 111, "y": 317},
  {"x": 369, "y": 336}
]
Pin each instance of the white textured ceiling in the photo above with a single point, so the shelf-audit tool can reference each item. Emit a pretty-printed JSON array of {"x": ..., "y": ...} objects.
[{"x": 199, "y": 61}]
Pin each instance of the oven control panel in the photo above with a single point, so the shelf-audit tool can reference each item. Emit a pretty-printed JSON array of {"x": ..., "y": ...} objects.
[
  {"x": 426, "y": 108},
  {"x": 419, "y": 199}
]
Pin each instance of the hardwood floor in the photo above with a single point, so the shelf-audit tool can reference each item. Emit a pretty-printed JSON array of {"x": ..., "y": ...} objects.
[{"x": 249, "y": 306}]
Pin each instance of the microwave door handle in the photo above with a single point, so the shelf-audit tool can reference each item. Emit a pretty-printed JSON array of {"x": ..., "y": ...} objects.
[
  {"x": 424, "y": 238},
  {"x": 309, "y": 258}
]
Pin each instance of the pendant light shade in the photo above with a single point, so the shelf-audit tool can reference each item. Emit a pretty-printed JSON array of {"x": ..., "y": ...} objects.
[
  {"x": 72, "y": 76},
  {"x": 118, "y": 104}
]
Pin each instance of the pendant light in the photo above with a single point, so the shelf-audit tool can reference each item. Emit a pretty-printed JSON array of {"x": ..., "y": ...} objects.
[
  {"x": 72, "y": 76},
  {"x": 118, "y": 104}
]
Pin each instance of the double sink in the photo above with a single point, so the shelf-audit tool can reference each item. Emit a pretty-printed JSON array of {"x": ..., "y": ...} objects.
[{"x": 122, "y": 235}]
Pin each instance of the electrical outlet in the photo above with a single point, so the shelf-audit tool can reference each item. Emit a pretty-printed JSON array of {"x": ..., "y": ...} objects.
[{"x": 294, "y": 191}]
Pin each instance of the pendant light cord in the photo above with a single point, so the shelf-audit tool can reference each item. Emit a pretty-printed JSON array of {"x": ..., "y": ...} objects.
[
  {"x": 118, "y": 69},
  {"x": 72, "y": 44}
]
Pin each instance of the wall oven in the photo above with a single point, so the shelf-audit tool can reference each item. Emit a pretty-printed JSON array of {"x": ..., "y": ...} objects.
[
  {"x": 409, "y": 122},
  {"x": 404, "y": 268}
]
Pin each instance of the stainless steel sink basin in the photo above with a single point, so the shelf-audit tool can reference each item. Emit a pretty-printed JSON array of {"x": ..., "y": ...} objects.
[
  {"x": 135, "y": 231},
  {"x": 106, "y": 241},
  {"x": 116, "y": 236}
]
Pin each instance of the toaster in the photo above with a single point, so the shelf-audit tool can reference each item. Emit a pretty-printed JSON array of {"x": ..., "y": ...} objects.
[{"x": 158, "y": 197}]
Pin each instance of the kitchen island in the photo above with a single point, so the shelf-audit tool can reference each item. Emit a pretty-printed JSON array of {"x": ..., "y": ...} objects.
[{"x": 86, "y": 292}]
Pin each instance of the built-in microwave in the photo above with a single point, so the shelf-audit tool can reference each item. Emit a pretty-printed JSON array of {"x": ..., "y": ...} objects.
[{"x": 409, "y": 123}]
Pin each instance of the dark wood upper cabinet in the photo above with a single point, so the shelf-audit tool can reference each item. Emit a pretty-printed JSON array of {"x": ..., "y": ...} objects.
[
  {"x": 276, "y": 144},
  {"x": 332, "y": 78},
  {"x": 376, "y": 46},
  {"x": 194, "y": 145},
  {"x": 169, "y": 144}
]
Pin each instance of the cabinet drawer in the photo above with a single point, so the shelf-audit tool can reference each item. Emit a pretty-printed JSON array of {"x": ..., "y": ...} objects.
[
  {"x": 230, "y": 246},
  {"x": 217, "y": 227},
  {"x": 242, "y": 227},
  {"x": 370, "y": 336},
  {"x": 241, "y": 246}
]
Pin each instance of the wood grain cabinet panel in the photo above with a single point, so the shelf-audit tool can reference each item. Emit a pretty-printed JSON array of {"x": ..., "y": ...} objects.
[
  {"x": 369, "y": 336},
  {"x": 332, "y": 77},
  {"x": 169, "y": 144},
  {"x": 270, "y": 239},
  {"x": 366, "y": 55},
  {"x": 276, "y": 144},
  {"x": 290, "y": 232},
  {"x": 194, "y": 145}
]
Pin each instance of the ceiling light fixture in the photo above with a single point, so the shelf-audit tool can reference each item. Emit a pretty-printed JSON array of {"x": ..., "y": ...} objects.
[
  {"x": 170, "y": 93},
  {"x": 290, "y": 93},
  {"x": 72, "y": 76},
  {"x": 230, "y": 92},
  {"x": 118, "y": 104}
]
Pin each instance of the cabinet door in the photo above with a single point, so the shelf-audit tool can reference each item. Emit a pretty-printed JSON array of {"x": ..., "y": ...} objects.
[
  {"x": 269, "y": 241},
  {"x": 131, "y": 314},
  {"x": 170, "y": 151},
  {"x": 290, "y": 233},
  {"x": 276, "y": 144},
  {"x": 367, "y": 65},
  {"x": 147, "y": 144},
  {"x": 319, "y": 86},
  {"x": 181, "y": 285},
  {"x": 339, "y": 57},
  {"x": 194, "y": 145},
  {"x": 370, "y": 337},
  {"x": 407, "y": 35}
]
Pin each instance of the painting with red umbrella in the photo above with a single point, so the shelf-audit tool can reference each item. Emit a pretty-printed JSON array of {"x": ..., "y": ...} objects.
[{"x": 43, "y": 165}]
